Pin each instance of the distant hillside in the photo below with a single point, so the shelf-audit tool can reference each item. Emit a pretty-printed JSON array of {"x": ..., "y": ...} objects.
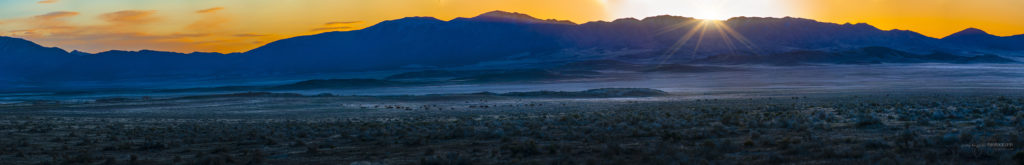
[
  {"x": 307, "y": 85},
  {"x": 867, "y": 55},
  {"x": 22, "y": 59},
  {"x": 979, "y": 39},
  {"x": 505, "y": 40}
]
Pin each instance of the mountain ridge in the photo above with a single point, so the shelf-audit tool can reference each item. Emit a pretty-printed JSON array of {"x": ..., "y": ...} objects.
[
  {"x": 978, "y": 38},
  {"x": 499, "y": 39},
  {"x": 516, "y": 15}
]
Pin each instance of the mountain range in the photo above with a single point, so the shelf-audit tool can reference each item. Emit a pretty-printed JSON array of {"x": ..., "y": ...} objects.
[{"x": 508, "y": 40}]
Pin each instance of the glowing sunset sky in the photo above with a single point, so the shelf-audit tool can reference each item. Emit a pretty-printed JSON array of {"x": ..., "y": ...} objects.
[{"x": 240, "y": 25}]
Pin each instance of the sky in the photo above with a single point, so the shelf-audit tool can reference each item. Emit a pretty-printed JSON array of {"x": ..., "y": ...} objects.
[{"x": 240, "y": 25}]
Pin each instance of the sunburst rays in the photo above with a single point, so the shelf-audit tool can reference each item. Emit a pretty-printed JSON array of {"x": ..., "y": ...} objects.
[{"x": 730, "y": 38}]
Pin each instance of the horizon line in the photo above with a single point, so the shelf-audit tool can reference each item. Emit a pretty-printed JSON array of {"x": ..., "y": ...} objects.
[{"x": 531, "y": 16}]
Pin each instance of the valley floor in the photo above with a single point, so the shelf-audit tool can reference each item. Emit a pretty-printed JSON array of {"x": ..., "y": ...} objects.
[{"x": 968, "y": 126}]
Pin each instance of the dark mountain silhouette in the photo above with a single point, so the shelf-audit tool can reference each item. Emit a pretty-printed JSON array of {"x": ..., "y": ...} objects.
[
  {"x": 415, "y": 41},
  {"x": 506, "y": 17},
  {"x": 762, "y": 36},
  {"x": 121, "y": 65},
  {"x": 867, "y": 55},
  {"x": 510, "y": 40},
  {"x": 980, "y": 39},
  {"x": 21, "y": 58}
]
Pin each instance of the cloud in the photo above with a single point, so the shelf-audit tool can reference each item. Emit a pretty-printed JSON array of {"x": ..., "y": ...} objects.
[
  {"x": 210, "y": 10},
  {"x": 20, "y": 32},
  {"x": 98, "y": 38},
  {"x": 119, "y": 32},
  {"x": 130, "y": 16},
  {"x": 53, "y": 21},
  {"x": 341, "y": 23},
  {"x": 47, "y": 1},
  {"x": 330, "y": 29},
  {"x": 128, "y": 30},
  {"x": 250, "y": 35},
  {"x": 335, "y": 26},
  {"x": 56, "y": 15},
  {"x": 210, "y": 20}
]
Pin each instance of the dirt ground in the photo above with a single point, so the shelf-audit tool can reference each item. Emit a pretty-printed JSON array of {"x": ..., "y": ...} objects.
[{"x": 877, "y": 127}]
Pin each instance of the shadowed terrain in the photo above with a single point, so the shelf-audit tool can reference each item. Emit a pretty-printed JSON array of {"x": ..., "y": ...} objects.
[{"x": 768, "y": 127}]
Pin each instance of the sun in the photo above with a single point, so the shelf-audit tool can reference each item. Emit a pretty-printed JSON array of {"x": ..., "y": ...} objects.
[
  {"x": 711, "y": 14},
  {"x": 701, "y": 9}
]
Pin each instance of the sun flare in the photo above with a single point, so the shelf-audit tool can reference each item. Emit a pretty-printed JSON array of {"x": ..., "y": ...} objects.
[
  {"x": 700, "y": 9},
  {"x": 711, "y": 15}
]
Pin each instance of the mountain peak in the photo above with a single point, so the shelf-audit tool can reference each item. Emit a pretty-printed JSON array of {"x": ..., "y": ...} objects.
[
  {"x": 12, "y": 40},
  {"x": 969, "y": 32},
  {"x": 79, "y": 53},
  {"x": 417, "y": 20},
  {"x": 514, "y": 17},
  {"x": 404, "y": 22},
  {"x": 11, "y": 44},
  {"x": 973, "y": 31},
  {"x": 506, "y": 15}
]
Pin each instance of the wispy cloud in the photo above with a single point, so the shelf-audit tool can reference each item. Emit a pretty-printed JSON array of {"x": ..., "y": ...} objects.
[
  {"x": 119, "y": 32},
  {"x": 20, "y": 32},
  {"x": 330, "y": 29},
  {"x": 335, "y": 26},
  {"x": 48, "y": 1},
  {"x": 53, "y": 21},
  {"x": 210, "y": 10},
  {"x": 56, "y": 15},
  {"x": 131, "y": 30},
  {"x": 341, "y": 23},
  {"x": 131, "y": 16}
]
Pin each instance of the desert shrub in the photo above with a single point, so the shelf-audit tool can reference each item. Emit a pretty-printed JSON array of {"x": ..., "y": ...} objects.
[
  {"x": 312, "y": 149},
  {"x": 217, "y": 159},
  {"x": 450, "y": 158},
  {"x": 966, "y": 137},
  {"x": 906, "y": 138},
  {"x": 132, "y": 159},
  {"x": 152, "y": 146},
  {"x": 875, "y": 144},
  {"x": 83, "y": 158},
  {"x": 522, "y": 149},
  {"x": 1019, "y": 157},
  {"x": 256, "y": 156},
  {"x": 972, "y": 152},
  {"x": 109, "y": 161},
  {"x": 868, "y": 121}
]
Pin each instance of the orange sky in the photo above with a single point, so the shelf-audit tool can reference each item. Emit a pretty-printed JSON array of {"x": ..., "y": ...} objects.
[
  {"x": 935, "y": 18},
  {"x": 240, "y": 25}
]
